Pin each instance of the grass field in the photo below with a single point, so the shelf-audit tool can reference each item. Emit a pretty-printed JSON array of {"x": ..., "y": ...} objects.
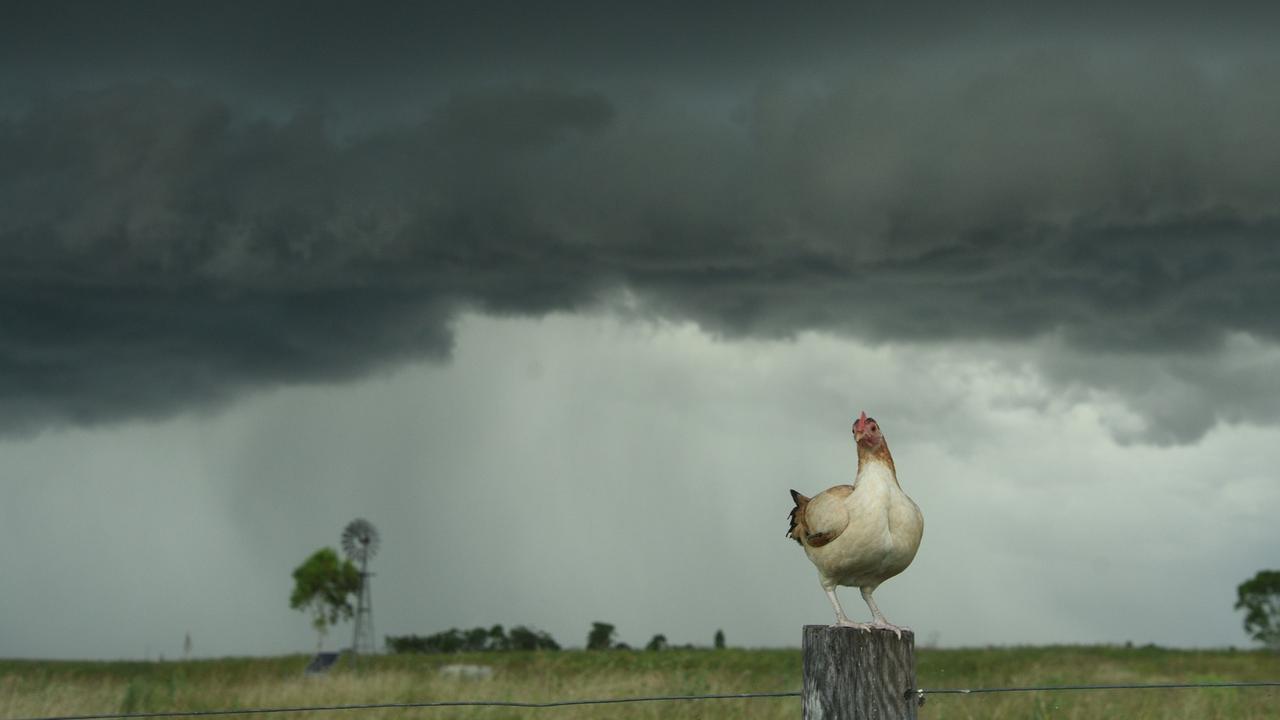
[{"x": 45, "y": 688}]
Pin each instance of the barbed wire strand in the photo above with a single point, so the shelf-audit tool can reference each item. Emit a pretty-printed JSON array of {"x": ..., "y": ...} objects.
[{"x": 615, "y": 701}]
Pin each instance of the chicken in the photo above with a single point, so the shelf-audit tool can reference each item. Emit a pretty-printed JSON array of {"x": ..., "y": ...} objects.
[{"x": 862, "y": 534}]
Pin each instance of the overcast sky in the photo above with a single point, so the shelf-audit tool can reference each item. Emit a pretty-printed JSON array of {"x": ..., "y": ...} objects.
[{"x": 565, "y": 300}]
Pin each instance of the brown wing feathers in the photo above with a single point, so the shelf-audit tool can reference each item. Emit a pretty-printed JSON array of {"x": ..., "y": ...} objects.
[{"x": 800, "y": 530}]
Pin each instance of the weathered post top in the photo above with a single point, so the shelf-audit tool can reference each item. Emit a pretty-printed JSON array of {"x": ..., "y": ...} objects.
[{"x": 852, "y": 674}]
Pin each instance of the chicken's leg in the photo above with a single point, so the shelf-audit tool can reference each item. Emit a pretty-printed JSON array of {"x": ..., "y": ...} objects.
[
  {"x": 877, "y": 617},
  {"x": 842, "y": 620}
]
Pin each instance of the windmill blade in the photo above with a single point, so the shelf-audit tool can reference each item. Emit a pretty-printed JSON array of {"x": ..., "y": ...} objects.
[{"x": 360, "y": 540}]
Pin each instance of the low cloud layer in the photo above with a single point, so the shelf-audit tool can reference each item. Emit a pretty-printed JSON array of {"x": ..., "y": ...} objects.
[
  {"x": 164, "y": 248},
  {"x": 578, "y": 467}
]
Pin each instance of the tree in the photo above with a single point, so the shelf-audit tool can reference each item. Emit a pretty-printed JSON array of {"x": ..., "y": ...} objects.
[
  {"x": 322, "y": 586},
  {"x": 525, "y": 638},
  {"x": 498, "y": 638},
  {"x": 719, "y": 641},
  {"x": 476, "y": 639},
  {"x": 659, "y": 642},
  {"x": 1259, "y": 597},
  {"x": 600, "y": 637}
]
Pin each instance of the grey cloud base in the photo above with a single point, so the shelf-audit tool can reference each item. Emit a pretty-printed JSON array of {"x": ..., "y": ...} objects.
[{"x": 162, "y": 249}]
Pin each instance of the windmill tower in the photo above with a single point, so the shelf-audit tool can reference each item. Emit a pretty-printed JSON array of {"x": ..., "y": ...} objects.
[{"x": 360, "y": 543}]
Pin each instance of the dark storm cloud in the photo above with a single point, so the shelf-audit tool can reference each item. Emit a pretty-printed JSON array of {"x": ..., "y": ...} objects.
[
  {"x": 165, "y": 246},
  {"x": 157, "y": 253}
]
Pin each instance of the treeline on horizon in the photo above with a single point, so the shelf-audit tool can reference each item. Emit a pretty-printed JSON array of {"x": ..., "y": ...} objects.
[
  {"x": 519, "y": 638},
  {"x": 476, "y": 639}
]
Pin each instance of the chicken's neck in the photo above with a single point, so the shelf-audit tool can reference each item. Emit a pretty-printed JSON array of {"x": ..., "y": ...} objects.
[{"x": 876, "y": 460}]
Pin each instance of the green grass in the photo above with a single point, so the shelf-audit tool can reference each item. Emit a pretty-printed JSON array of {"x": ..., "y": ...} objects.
[{"x": 47, "y": 688}]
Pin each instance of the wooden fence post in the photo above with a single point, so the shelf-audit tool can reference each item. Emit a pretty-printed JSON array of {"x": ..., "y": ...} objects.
[{"x": 852, "y": 674}]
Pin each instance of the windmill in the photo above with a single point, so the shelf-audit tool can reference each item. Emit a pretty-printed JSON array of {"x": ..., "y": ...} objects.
[{"x": 360, "y": 543}]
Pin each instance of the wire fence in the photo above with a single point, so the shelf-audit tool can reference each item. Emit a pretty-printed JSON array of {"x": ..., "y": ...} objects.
[
  {"x": 922, "y": 692},
  {"x": 405, "y": 706},
  {"x": 1148, "y": 686},
  {"x": 919, "y": 693}
]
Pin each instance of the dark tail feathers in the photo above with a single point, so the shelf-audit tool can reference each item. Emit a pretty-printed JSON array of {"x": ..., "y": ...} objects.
[{"x": 797, "y": 529}]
